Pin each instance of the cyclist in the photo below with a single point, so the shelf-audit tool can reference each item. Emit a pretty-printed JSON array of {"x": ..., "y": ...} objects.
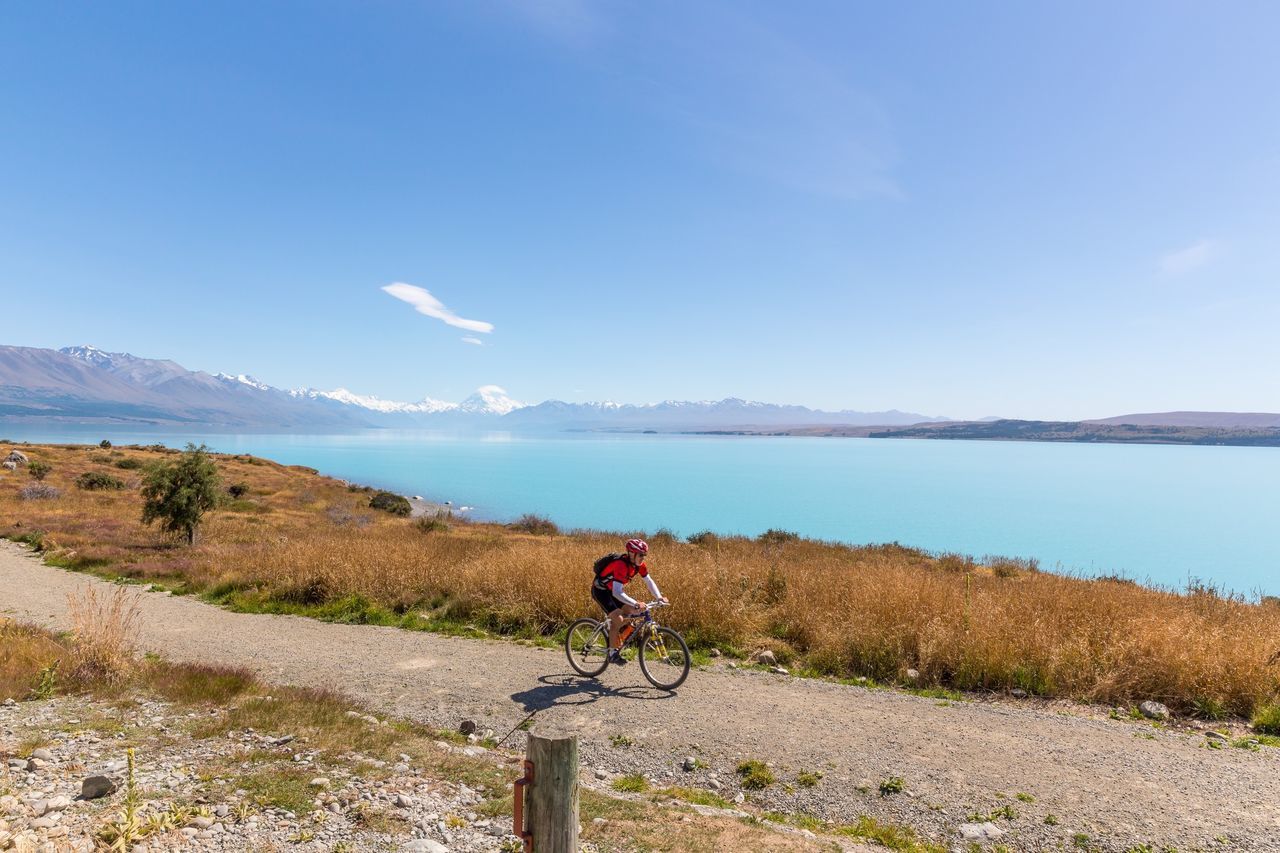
[{"x": 607, "y": 590}]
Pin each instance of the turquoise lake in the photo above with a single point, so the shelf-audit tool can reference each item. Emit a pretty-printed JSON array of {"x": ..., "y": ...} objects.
[{"x": 1159, "y": 514}]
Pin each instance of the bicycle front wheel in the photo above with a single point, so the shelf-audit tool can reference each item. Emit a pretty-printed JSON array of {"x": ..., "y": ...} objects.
[
  {"x": 587, "y": 647},
  {"x": 664, "y": 658}
]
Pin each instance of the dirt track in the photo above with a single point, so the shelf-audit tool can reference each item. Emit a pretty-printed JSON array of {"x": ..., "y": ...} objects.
[{"x": 1120, "y": 783}]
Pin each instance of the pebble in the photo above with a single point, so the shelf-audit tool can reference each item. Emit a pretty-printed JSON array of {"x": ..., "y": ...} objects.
[
  {"x": 980, "y": 831},
  {"x": 320, "y": 782},
  {"x": 1153, "y": 710},
  {"x": 690, "y": 764},
  {"x": 42, "y": 754}
]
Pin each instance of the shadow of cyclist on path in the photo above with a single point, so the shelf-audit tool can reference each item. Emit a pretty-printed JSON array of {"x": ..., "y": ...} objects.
[{"x": 566, "y": 690}]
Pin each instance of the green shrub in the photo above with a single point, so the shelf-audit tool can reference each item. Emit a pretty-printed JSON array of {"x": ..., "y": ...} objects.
[
  {"x": 437, "y": 524},
  {"x": 129, "y": 464},
  {"x": 808, "y": 780},
  {"x": 39, "y": 470},
  {"x": 892, "y": 785},
  {"x": 392, "y": 503},
  {"x": 104, "y": 444},
  {"x": 756, "y": 775},
  {"x": 95, "y": 481},
  {"x": 238, "y": 490},
  {"x": 530, "y": 523},
  {"x": 774, "y": 536},
  {"x": 1267, "y": 720},
  {"x": 703, "y": 538},
  {"x": 179, "y": 493}
]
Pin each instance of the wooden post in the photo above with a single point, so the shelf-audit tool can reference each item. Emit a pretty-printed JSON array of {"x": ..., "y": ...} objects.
[{"x": 551, "y": 802}]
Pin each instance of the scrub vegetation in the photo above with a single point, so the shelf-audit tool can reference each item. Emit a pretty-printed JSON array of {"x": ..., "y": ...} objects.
[{"x": 297, "y": 542}]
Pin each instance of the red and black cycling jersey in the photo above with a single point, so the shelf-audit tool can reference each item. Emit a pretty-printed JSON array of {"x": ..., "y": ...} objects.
[{"x": 621, "y": 571}]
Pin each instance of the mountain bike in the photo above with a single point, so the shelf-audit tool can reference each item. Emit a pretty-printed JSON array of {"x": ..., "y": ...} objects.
[{"x": 664, "y": 656}]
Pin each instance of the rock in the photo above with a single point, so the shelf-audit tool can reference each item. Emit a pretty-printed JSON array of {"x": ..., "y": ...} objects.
[
  {"x": 221, "y": 810},
  {"x": 42, "y": 754},
  {"x": 980, "y": 831},
  {"x": 690, "y": 764},
  {"x": 17, "y": 457},
  {"x": 1018, "y": 693},
  {"x": 779, "y": 670},
  {"x": 404, "y": 802},
  {"x": 38, "y": 807},
  {"x": 1216, "y": 736},
  {"x": 602, "y": 775},
  {"x": 320, "y": 782},
  {"x": 281, "y": 741},
  {"x": 740, "y": 798},
  {"x": 714, "y": 653},
  {"x": 467, "y": 727},
  {"x": 43, "y": 823},
  {"x": 1153, "y": 710},
  {"x": 8, "y": 466},
  {"x": 57, "y": 804},
  {"x": 766, "y": 657},
  {"x": 95, "y": 787},
  {"x": 599, "y": 821},
  {"x": 913, "y": 674},
  {"x": 424, "y": 845},
  {"x": 35, "y": 764},
  {"x": 10, "y": 702},
  {"x": 202, "y": 822}
]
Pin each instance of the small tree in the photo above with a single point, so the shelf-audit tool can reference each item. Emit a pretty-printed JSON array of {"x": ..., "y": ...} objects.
[
  {"x": 39, "y": 470},
  {"x": 178, "y": 494}
]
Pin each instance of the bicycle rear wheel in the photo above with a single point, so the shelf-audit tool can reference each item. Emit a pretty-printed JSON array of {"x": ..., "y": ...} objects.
[
  {"x": 664, "y": 658},
  {"x": 587, "y": 647}
]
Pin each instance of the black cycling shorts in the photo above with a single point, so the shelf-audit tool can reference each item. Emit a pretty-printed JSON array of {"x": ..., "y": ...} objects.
[{"x": 604, "y": 597}]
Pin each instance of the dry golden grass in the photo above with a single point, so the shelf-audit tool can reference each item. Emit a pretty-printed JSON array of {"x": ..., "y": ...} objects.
[
  {"x": 103, "y": 634},
  {"x": 26, "y": 652},
  {"x": 299, "y": 540}
]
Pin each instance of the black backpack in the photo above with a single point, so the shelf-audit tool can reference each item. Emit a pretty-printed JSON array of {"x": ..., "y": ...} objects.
[{"x": 606, "y": 561}]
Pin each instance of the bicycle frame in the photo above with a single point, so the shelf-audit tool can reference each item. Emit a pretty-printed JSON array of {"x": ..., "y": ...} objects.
[{"x": 646, "y": 625}]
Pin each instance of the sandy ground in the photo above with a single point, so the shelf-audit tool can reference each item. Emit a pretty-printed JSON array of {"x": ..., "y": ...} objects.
[{"x": 1120, "y": 783}]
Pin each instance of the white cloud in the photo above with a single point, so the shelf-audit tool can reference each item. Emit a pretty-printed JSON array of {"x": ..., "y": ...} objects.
[
  {"x": 470, "y": 340},
  {"x": 424, "y": 303},
  {"x": 1188, "y": 258}
]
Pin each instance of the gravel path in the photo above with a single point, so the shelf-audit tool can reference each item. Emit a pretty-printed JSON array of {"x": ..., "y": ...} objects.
[{"x": 1119, "y": 783}]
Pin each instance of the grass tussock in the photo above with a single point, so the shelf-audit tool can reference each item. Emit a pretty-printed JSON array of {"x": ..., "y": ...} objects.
[
  {"x": 104, "y": 632},
  {"x": 310, "y": 544}
]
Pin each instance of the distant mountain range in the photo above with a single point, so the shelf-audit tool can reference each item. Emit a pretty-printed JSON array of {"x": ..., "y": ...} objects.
[
  {"x": 1208, "y": 420},
  {"x": 86, "y": 384}
]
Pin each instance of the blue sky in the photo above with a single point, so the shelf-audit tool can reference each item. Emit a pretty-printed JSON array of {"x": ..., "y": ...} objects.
[{"x": 1036, "y": 210}]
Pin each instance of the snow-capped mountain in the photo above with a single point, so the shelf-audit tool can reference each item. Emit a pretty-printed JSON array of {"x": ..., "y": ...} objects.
[
  {"x": 88, "y": 384},
  {"x": 243, "y": 379},
  {"x": 376, "y": 404},
  {"x": 489, "y": 400}
]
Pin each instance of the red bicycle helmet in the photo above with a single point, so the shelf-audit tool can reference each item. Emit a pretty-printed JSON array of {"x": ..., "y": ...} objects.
[{"x": 637, "y": 546}]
